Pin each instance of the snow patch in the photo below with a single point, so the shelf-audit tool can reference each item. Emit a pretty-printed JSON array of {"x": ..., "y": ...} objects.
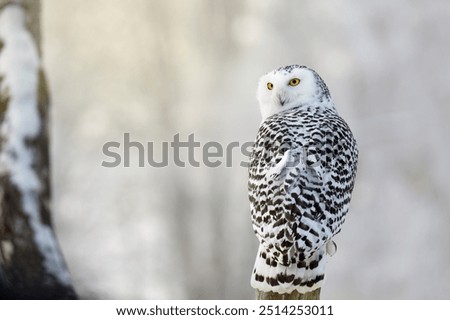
[{"x": 19, "y": 67}]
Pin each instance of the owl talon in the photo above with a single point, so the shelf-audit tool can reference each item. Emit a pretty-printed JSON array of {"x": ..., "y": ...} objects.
[{"x": 331, "y": 248}]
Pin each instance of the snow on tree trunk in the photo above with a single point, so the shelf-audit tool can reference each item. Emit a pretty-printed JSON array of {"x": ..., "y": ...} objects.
[{"x": 31, "y": 264}]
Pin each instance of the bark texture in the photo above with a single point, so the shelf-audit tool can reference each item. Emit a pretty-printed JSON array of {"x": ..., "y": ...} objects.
[
  {"x": 295, "y": 295},
  {"x": 31, "y": 264}
]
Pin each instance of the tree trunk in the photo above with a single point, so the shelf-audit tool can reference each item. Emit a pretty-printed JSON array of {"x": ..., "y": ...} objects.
[
  {"x": 295, "y": 295},
  {"x": 31, "y": 264}
]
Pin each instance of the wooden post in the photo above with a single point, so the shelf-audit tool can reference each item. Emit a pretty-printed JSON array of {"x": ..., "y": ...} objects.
[
  {"x": 31, "y": 263},
  {"x": 295, "y": 295}
]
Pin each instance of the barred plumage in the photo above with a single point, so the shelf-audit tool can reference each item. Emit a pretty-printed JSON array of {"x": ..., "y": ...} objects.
[{"x": 301, "y": 177}]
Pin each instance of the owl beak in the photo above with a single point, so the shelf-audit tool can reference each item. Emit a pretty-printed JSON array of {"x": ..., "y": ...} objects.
[{"x": 281, "y": 98}]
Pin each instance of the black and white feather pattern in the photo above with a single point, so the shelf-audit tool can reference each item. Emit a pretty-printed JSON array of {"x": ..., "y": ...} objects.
[{"x": 301, "y": 177}]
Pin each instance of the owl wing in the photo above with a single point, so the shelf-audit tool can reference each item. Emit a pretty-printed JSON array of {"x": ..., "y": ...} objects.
[
  {"x": 320, "y": 184},
  {"x": 300, "y": 199},
  {"x": 301, "y": 182}
]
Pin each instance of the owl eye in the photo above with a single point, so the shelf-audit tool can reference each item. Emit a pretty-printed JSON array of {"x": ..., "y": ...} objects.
[
  {"x": 294, "y": 82},
  {"x": 269, "y": 85}
]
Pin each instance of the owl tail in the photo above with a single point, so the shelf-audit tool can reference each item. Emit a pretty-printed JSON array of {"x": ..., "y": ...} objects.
[{"x": 304, "y": 275}]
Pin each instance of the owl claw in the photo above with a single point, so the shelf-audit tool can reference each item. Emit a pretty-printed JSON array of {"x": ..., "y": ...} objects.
[{"x": 331, "y": 248}]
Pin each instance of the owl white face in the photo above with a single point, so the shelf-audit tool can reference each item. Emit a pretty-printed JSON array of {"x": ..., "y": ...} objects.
[{"x": 286, "y": 88}]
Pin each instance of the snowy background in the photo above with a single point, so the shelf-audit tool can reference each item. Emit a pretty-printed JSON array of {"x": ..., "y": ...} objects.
[{"x": 154, "y": 68}]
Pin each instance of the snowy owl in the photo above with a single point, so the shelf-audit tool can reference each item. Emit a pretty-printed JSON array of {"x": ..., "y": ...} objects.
[{"x": 301, "y": 177}]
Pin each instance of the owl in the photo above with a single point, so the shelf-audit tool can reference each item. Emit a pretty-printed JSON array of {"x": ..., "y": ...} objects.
[{"x": 301, "y": 176}]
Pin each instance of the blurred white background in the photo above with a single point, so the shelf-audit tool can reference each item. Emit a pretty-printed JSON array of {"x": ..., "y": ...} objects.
[{"x": 154, "y": 68}]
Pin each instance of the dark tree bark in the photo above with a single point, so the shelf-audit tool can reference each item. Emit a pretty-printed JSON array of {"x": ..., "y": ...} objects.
[{"x": 31, "y": 263}]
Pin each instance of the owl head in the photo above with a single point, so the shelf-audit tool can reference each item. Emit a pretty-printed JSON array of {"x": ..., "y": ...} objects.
[{"x": 289, "y": 87}]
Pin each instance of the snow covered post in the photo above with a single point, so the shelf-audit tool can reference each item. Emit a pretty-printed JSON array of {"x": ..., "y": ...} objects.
[{"x": 31, "y": 263}]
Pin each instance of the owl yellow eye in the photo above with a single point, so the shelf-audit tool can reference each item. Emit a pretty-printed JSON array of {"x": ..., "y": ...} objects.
[
  {"x": 294, "y": 82},
  {"x": 269, "y": 85}
]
